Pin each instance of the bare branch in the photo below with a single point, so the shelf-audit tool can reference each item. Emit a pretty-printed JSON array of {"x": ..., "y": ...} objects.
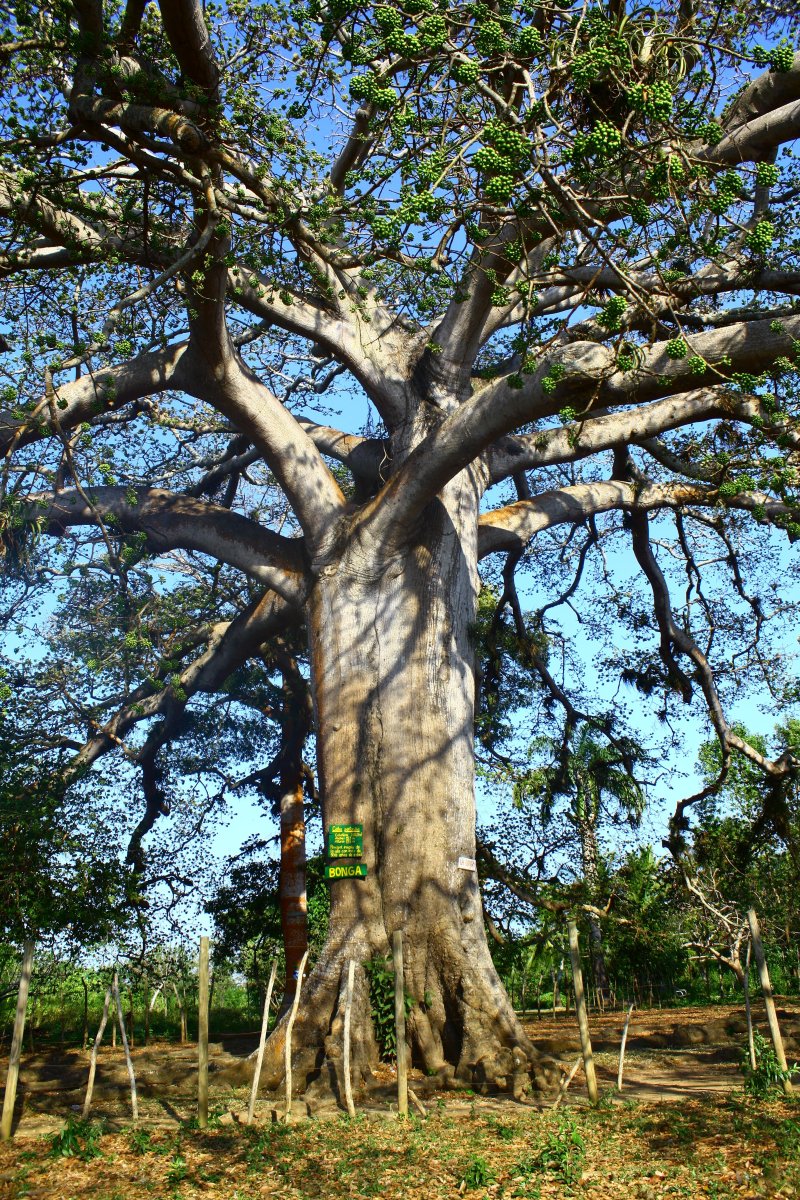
[
  {"x": 230, "y": 645},
  {"x": 770, "y": 91}
]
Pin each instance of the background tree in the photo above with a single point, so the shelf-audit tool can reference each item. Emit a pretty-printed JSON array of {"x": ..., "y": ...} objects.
[
  {"x": 745, "y": 852},
  {"x": 60, "y": 878},
  {"x": 599, "y": 786}
]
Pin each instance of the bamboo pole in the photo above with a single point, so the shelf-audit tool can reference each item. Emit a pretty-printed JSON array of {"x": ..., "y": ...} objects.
[
  {"x": 769, "y": 1003},
  {"x": 348, "y": 1004},
  {"x": 202, "y": 1037},
  {"x": 126, "y": 1047},
  {"x": 622, "y": 1049},
  {"x": 15, "y": 1053},
  {"x": 251, "y": 1108},
  {"x": 87, "y": 1103},
  {"x": 748, "y": 1012},
  {"x": 580, "y": 1007},
  {"x": 400, "y": 1023},
  {"x": 288, "y": 1047}
]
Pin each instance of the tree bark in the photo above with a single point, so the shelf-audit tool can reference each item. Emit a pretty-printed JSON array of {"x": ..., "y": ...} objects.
[
  {"x": 294, "y": 916},
  {"x": 590, "y": 858},
  {"x": 393, "y": 688},
  {"x": 292, "y": 886}
]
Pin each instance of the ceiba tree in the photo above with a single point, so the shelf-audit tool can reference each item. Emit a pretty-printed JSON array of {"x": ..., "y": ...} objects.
[{"x": 549, "y": 244}]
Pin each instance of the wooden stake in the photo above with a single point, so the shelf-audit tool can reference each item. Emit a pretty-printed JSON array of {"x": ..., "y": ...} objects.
[
  {"x": 400, "y": 1023},
  {"x": 128, "y": 1059},
  {"x": 15, "y": 1053},
  {"x": 769, "y": 1003},
  {"x": 348, "y": 1004},
  {"x": 580, "y": 1006},
  {"x": 202, "y": 1037},
  {"x": 181, "y": 1010},
  {"x": 622, "y": 1049},
  {"x": 562, "y": 1091},
  {"x": 748, "y": 1011},
  {"x": 288, "y": 1047},
  {"x": 85, "y": 1033},
  {"x": 87, "y": 1104},
  {"x": 260, "y": 1058}
]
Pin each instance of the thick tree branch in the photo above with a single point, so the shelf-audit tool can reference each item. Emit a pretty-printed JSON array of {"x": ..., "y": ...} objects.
[
  {"x": 512, "y": 527},
  {"x": 770, "y": 91},
  {"x": 130, "y": 25},
  {"x": 580, "y": 439},
  {"x": 364, "y": 349},
  {"x": 36, "y": 210},
  {"x": 591, "y": 379},
  {"x": 172, "y": 522},
  {"x": 759, "y": 137},
  {"x": 105, "y": 390},
  {"x": 139, "y": 118},
  {"x": 225, "y": 380},
  {"x": 186, "y": 29},
  {"x": 368, "y": 459}
]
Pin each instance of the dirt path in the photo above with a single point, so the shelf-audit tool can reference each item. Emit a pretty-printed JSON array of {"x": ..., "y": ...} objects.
[{"x": 671, "y": 1054}]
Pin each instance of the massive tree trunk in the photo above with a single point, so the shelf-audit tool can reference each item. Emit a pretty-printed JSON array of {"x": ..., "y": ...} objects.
[{"x": 392, "y": 675}]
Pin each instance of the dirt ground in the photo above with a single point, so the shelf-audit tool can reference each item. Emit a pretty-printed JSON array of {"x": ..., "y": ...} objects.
[
  {"x": 465, "y": 1144},
  {"x": 670, "y": 1054},
  {"x": 673, "y": 1055}
]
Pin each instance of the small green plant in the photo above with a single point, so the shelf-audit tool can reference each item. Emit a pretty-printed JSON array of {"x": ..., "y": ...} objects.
[
  {"x": 178, "y": 1169},
  {"x": 478, "y": 1173},
  {"x": 564, "y": 1150},
  {"x": 506, "y": 1133},
  {"x": 214, "y": 1114},
  {"x": 768, "y": 1077},
  {"x": 380, "y": 974},
  {"x": 141, "y": 1141},
  {"x": 78, "y": 1139}
]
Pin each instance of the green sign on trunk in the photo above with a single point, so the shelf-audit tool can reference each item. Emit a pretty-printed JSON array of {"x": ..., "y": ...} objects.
[
  {"x": 345, "y": 841},
  {"x": 346, "y": 871}
]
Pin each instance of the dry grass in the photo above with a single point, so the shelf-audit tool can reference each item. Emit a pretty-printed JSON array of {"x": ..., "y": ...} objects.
[{"x": 700, "y": 1149}]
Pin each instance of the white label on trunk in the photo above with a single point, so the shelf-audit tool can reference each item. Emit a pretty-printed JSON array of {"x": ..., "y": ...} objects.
[{"x": 467, "y": 864}]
